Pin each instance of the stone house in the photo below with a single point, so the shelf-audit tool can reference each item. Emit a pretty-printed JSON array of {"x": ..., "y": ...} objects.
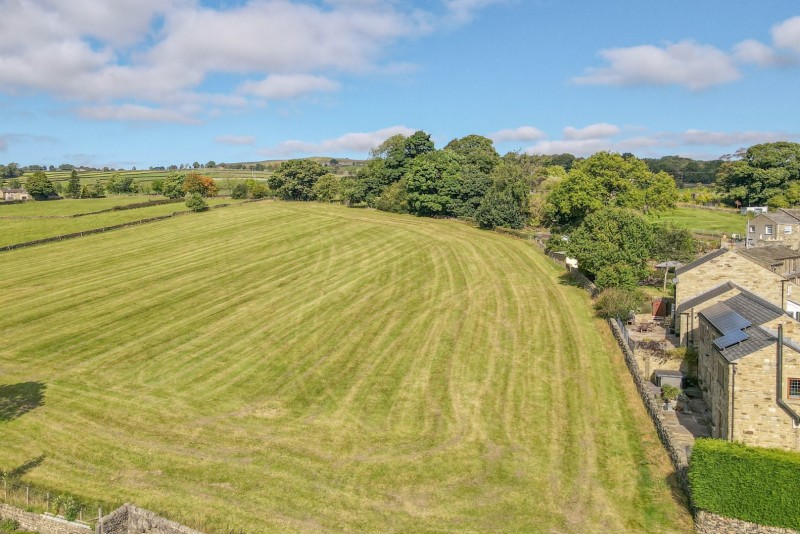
[
  {"x": 716, "y": 268},
  {"x": 779, "y": 226},
  {"x": 748, "y": 371},
  {"x": 14, "y": 194}
]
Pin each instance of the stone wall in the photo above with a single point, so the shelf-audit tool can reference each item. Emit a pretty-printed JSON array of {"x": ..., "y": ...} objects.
[
  {"x": 44, "y": 524},
  {"x": 708, "y": 523},
  {"x": 130, "y": 519}
]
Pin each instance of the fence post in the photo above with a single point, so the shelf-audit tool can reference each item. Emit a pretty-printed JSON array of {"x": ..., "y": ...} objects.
[
  {"x": 5, "y": 487},
  {"x": 27, "y": 495},
  {"x": 47, "y": 497},
  {"x": 100, "y": 520}
]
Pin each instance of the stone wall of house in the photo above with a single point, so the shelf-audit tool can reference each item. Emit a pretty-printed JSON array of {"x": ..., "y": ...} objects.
[
  {"x": 758, "y": 420},
  {"x": 714, "y": 375},
  {"x": 44, "y": 524},
  {"x": 729, "y": 267},
  {"x": 130, "y": 519},
  {"x": 708, "y": 523}
]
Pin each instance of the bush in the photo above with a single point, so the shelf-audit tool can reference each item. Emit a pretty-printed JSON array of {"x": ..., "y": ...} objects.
[
  {"x": 670, "y": 392},
  {"x": 239, "y": 190},
  {"x": 195, "y": 202},
  {"x": 617, "y": 302},
  {"x": 749, "y": 483}
]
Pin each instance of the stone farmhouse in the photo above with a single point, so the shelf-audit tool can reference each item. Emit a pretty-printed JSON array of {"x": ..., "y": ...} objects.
[
  {"x": 748, "y": 367},
  {"x": 779, "y": 226},
  {"x": 14, "y": 194}
]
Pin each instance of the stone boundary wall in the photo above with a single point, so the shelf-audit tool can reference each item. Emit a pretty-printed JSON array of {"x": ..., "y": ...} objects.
[
  {"x": 44, "y": 524},
  {"x": 130, "y": 519},
  {"x": 708, "y": 523},
  {"x": 654, "y": 410},
  {"x": 123, "y": 207}
]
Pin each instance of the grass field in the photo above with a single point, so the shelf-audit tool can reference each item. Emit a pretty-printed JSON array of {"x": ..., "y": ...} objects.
[
  {"x": 18, "y": 230},
  {"x": 705, "y": 221},
  {"x": 288, "y": 367},
  {"x": 69, "y": 206}
]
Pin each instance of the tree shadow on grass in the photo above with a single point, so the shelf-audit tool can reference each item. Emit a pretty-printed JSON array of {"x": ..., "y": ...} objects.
[
  {"x": 18, "y": 399},
  {"x": 22, "y": 470}
]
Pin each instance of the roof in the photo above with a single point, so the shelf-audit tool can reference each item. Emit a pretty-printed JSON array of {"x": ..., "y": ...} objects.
[
  {"x": 783, "y": 216},
  {"x": 737, "y": 319},
  {"x": 666, "y": 372},
  {"x": 14, "y": 190},
  {"x": 700, "y": 261},
  {"x": 710, "y": 294},
  {"x": 770, "y": 254}
]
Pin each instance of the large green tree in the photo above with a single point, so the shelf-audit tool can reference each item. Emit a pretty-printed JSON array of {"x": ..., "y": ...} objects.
[
  {"x": 765, "y": 171},
  {"x": 74, "y": 185},
  {"x": 613, "y": 245},
  {"x": 477, "y": 151},
  {"x": 609, "y": 179},
  {"x": 506, "y": 201},
  {"x": 39, "y": 186},
  {"x": 295, "y": 179},
  {"x": 434, "y": 183}
]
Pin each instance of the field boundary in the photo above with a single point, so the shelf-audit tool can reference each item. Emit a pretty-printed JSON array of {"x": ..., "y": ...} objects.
[
  {"x": 121, "y": 207},
  {"x": 100, "y": 230}
]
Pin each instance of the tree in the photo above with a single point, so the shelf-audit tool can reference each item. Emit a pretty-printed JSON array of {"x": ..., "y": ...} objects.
[
  {"x": 239, "y": 190},
  {"x": 195, "y": 202},
  {"x": 506, "y": 202},
  {"x": 765, "y": 171},
  {"x": 673, "y": 243},
  {"x": 157, "y": 185},
  {"x": 199, "y": 184},
  {"x": 211, "y": 164},
  {"x": 74, "y": 185},
  {"x": 173, "y": 186},
  {"x": 394, "y": 198},
  {"x": 434, "y": 183},
  {"x": 195, "y": 165},
  {"x": 295, "y": 179},
  {"x": 257, "y": 189},
  {"x": 327, "y": 188},
  {"x": 119, "y": 184},
  {"x": 39, "y": 186},
  {"x": 613, "y": 246},
  {"x": 477, "y": 151}
]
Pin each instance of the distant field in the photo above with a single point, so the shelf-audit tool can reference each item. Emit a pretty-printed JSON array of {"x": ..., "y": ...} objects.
[
  {"x": 705, "y": 221},
  {"x": 21, "y": 229},
  {"x": 68, "y": 206},
  {"x": 298, "y": 367}
]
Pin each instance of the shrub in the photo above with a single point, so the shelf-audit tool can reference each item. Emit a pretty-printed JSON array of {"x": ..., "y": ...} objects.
[
  {"x": 239, "y": 190},
  {"x": 749, "y": 483},
  {"x": 670, "y": 392},
  {"x": 618, "y": 302},
  {"x": 195, "y": 202}
]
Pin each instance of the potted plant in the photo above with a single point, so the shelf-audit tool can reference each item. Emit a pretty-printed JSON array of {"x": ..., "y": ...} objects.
[{"x": 669, "y": 393}]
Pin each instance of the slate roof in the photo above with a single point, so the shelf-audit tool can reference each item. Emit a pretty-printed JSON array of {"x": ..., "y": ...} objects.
[
  {"x": 700, "y": 261},
  {"x": 783, "y": 216},
  {"x": 770, "y": 254},
  {"x": 750, "y": 307},
  {"x": 710, "y": 294}
]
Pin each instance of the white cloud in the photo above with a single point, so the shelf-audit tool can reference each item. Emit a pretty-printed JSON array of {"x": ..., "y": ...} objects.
[
  {"x": 235, "y": 139},
  {"x": 135, "y": 113},
  {"x": 360, "y": 142},
  {"x": 523, "y": 133},
  {"x": 755, "y": 52},
  {"x": 700, "y": 137},
  {"x": 462, "y": 11},
  {"x": 655, "y": 144},
  {"x": 787, "y": 34},
  {"x": 283, "y": 86},
  {"x": 593, "y": 131},
  {"x": 112, "y": 57},
  {"x": 686, "y": 63}
]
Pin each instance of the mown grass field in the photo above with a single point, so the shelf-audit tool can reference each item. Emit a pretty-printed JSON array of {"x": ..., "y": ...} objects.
[
  {"x": 298, "y": 367},
  {"x": 18, "y": 228},
  {"x": 705, "y": 221}
]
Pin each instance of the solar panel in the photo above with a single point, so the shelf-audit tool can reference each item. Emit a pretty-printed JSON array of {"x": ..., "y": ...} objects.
[
  {"x": 731, "y": 338},
  {"x": 725, "y": 319}
]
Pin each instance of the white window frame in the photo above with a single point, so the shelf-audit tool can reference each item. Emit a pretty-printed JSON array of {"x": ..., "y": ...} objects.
[
  {"x": 752, "y": 228},
  {"x": 768, "y": 229},
  {"x": 787, "y": 229}
]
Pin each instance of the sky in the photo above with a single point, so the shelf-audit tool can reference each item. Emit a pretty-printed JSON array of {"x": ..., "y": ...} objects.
[{"x": 124, "y": 83}]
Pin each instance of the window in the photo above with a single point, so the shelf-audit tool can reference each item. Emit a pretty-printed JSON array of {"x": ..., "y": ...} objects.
[
  {"x": 794, "y": 388},
  {"x": 752, "y": 229},
  {"x": 787, "y": 229},
  {"x": 768, "y": 229}
]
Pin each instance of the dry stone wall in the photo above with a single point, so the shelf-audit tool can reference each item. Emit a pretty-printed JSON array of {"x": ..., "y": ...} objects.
[
  {"x": 44, "y": 524},
  {"x": 708, "y": 523},
  {"x": 130, "y": 519}
]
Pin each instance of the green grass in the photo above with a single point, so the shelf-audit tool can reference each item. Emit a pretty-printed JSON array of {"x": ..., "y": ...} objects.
[
  {"x": 68, "y": 206},
  {"x": 705, "y": 221},
  {"x": 297, "y": 367},
  {"x": 21, "y": 230}
]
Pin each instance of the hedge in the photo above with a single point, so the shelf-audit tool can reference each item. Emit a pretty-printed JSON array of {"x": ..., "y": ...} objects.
[{"x": 749, "y": 483}]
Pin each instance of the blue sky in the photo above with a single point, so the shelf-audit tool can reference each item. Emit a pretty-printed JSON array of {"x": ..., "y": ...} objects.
[{"x": 159, "y": 82}]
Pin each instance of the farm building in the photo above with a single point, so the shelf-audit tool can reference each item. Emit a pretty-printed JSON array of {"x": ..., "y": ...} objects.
[
  {"x": 14, "y": 194},
  {"x": 779, "y": 226}
]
